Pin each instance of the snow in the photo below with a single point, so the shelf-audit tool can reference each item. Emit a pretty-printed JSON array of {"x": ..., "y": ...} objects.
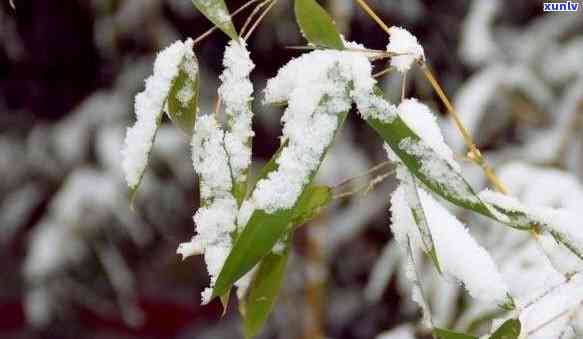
[
  {"x": 423, "y": 122},
  {"x": 564, "y": 224},
  {"x": 210, "y": 159},
  {"x": 235, "y": 92},
  {"x": 406, "y": 46},
  {"x": 548, "y": 317},
  {"x": 437, "y": 170},
  {"x": 402, "y": 332},
  {"x": 148, "y": 107},
  {"x": 315, "y": 87},
  {"x": 216, "y": 219},
  {"x": 459, "y": 255}
]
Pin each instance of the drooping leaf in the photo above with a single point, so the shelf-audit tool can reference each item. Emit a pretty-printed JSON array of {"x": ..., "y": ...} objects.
[
  {"x": 316, "y": 25},
  {"x": 163, "y": 92},
  {"x": 182, "y": 102},
  {"x": 450, "y": 185},
  {"x": 257, "y": 239},
  {"x": 263, "y": 291},
  {"x": 421, "y": 220},
  {"x": 509, "y": 330},
  {"x": 260, "y": 235},
  {"x": 447, "y": 334},
  {"x": 133, "y": 190},
  {"x": 216, "y": 11}
]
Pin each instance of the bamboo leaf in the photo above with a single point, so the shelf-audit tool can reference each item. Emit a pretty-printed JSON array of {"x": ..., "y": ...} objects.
[
  {"x": 260, "y": 235},
  {"x": 264, "y": 290},
  {"x": 421, "y": 220},
  {"x": 216, "y": 11},
  {"x": 310, "y": 203},
  {"x": 509, "y": 330},
  {"x": 182, "y": 102},
  {"x": 257, "y": 239},
  {"x": 450, "y": 185},
  {"x": 316, "y": 25},
  {"x": 447, "y": 334}
]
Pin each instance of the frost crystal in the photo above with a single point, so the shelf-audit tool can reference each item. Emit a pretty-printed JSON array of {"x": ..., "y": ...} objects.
[
  {"x": 216, "y": 219},
  {"x": 149, "y": 107},
  {"x": 405, "y": 45},
  {"x": 235, "y": 92}
]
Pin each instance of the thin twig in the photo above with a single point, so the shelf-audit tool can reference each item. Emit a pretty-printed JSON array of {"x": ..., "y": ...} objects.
[
  {"x": 383, "y": 72},
  {"x": 373, "y": 15},
  {"x": 365, "y": 189},
  {"x": 248, "y": 34},
  {"x": 474, "y": 153},
  {"x": 252, "y": 15},
  {"x": 364, "y": 174}
]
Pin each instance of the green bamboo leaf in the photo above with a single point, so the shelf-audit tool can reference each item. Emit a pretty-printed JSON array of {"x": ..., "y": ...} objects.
[
  {"x": 447, "y": 334},
  {"x": 316, "y": 25},
  {"x": 451, "y": 185},
  {"x": 257, "y": 239},
  {"x": 263, "y": 291},
  {"x": 421, "y": 221},
  {"x": 509, "y": 330},
  {"x": 216, "y": 11},
  {"x": 310, "y": 203},
  {"x": 260, "y": 235},
  {"x": 182, "y": 102}
]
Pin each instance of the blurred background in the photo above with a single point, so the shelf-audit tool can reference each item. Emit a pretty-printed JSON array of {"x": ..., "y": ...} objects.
[{"x": 77, "y": 263}]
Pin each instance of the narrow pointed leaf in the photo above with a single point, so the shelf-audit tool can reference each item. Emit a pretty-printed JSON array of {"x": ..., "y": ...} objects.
[
  {"x": 260, "y": 235},
  {"x": 509, "y": 330},
  {"x": 150, "y": 104},
  {"x": 182, "y": 102},
  {"x": 452, "y": 187},
  {"x": 447, "y": 334},
  {"x": 316, "y": 25},
  {"x": 216, "y": 11},
  {"x": 264, "y": 290},
  {"x": 310, "y": 203},
  {"x": 421, "y": 221}
]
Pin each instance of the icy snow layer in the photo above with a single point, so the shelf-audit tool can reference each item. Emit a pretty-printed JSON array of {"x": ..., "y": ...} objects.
[
  {"x": 317, "y": 87},
  {"x": 405, "y": 45},
  {"x": 235, "y": 92},
  {"x": 460, "y": 256},
  {"x": 216, "y": 219},
  {"x": 149, "y": 107}
]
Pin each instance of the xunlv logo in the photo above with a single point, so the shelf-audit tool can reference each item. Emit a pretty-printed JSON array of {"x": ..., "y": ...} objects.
[{"x": 566, "y": 6}]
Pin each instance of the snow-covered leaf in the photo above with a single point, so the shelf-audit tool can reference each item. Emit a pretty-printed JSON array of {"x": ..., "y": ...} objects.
[
  {"x": 316, "y": 25},
  {"x": 263, "y": 291},
  {"x": 264, "y": 228},
  {"x": 509, "y": 330},
  {"x": 149, "y": 106},
  {"x": 216, "y": 11},
  {"x": 182, "y": 103},
  {"x": 431, "y": 169}
]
